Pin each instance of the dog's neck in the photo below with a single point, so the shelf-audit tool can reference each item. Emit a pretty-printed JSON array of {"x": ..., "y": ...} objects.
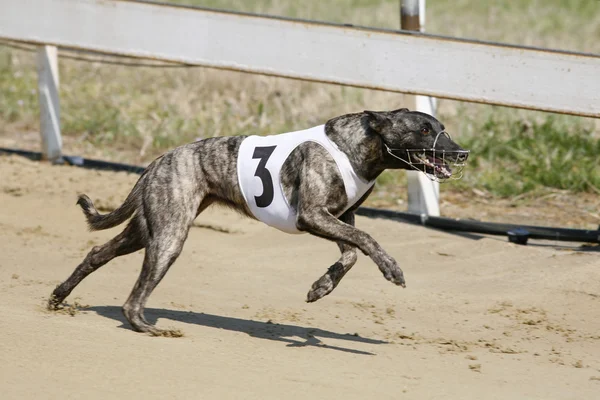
[{"x": 365, "y": 149}]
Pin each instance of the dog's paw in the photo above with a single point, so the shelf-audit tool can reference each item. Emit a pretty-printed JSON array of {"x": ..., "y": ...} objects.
[
  {"x": 320, "y": 289},
  {"x": 54, "y": 303},
  {"x": 392, "y": 272}
]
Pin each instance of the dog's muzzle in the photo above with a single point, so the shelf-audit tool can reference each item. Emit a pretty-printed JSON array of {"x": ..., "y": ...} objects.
[{"x": 438, "y": 165}]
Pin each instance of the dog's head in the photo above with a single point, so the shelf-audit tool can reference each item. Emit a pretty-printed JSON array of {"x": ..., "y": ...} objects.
[{"x": 415, "y": 140}]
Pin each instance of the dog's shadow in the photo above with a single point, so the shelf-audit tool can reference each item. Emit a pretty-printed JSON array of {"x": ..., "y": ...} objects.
[{"x": 293, "y": 335}]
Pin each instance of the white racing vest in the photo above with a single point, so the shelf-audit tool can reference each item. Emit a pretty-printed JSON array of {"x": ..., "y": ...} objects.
[{"x": 259, "y": 164}]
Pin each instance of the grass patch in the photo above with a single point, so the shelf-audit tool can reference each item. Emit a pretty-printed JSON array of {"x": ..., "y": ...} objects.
[
  {"x": 18, "y": 89},
  {"x": 512, "y": 157}
]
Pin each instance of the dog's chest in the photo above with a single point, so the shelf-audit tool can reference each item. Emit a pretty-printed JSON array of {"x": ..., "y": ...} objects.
[{"x": 259, "y": 163}]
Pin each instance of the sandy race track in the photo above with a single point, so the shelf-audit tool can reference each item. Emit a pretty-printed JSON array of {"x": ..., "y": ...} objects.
[{"x": 480, "y": 318}]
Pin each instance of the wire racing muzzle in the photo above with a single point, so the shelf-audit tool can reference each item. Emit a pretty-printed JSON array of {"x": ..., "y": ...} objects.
[{"x": 437, "y": 164}]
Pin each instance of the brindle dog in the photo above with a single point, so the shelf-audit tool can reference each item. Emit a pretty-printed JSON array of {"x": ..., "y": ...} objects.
[{"x": 180, "y": 184}]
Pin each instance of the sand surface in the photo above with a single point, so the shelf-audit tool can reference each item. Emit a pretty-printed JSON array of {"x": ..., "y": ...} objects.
[{"x": 480, "y": 318}]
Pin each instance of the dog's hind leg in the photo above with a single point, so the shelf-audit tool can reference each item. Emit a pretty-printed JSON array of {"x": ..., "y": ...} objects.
[
  {"x": 169, "y": 234},
  {"x": 126, "y": 242},
  {"x": 329, "y": 281},
  {"x": 161, "y": 253}
]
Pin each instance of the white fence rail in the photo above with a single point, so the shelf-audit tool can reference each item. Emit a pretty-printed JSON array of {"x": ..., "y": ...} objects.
[{"x": 396, "y": 61}]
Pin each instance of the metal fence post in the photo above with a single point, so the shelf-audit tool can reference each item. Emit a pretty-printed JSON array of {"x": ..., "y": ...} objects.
[
  {"x": 47, "y": 66},
  {"x": 423, "y": 194}
]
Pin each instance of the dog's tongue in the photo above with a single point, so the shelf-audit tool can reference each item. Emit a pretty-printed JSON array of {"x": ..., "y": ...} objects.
[
  {"x": 446, "y": 171},
  {"x": 435, "y": 160},
  {"x": 441, "y": 167}
]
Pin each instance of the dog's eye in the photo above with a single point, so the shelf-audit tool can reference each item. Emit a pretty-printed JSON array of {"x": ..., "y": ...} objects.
[{"x": 425, "y": 131}]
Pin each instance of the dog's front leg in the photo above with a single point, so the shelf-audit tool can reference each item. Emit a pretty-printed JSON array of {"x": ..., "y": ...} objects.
[
  {"x": 320, "y": 222},
  {"x": 325, "y": 284}
]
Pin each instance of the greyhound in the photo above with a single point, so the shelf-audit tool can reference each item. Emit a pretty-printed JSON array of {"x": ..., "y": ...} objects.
[{"x": 308, "y": 181}]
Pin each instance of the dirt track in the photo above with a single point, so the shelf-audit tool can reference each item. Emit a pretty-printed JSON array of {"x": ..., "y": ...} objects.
[{"x": 480, "y": 318}]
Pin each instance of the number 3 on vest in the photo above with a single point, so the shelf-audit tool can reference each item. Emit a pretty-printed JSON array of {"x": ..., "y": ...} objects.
[{"x": 266, "y": 198}]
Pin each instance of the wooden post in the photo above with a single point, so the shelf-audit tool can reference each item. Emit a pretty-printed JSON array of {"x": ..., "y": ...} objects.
[
  {"x": 47, "y": 65},
  {"x": 423, "y": 194}
]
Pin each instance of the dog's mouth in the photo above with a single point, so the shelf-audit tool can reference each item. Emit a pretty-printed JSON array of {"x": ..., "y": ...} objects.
[
  {"x": 432, "y": 165},
  {"x": 435, "y": 163},
  {"x": 438, "y": 165}
]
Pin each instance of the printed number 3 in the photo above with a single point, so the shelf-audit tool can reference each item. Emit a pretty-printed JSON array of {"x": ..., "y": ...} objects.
[{"x": 266, "y": 198}]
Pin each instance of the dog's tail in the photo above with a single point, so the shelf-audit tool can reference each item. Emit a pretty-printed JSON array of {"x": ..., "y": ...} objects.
[{"x": 97, "y": 221}]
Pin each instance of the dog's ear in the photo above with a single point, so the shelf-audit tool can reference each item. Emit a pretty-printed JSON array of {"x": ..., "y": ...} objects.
[
  {"x": 378, "y": 121},
  {"x": 401, "y": 110}
]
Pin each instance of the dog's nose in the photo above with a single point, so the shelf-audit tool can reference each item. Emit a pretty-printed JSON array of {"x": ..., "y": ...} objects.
[{"x": 462, "y": 156}]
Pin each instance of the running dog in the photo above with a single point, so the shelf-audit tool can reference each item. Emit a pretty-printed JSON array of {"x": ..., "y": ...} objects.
[{"x": 308, "y": 181}]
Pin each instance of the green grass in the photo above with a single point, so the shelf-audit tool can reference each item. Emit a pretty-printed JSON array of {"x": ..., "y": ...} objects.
[
  {"x": 149, "y": 110},
  {"x": 515, "y": 157},
  {"x": 18, "y": 90}
]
